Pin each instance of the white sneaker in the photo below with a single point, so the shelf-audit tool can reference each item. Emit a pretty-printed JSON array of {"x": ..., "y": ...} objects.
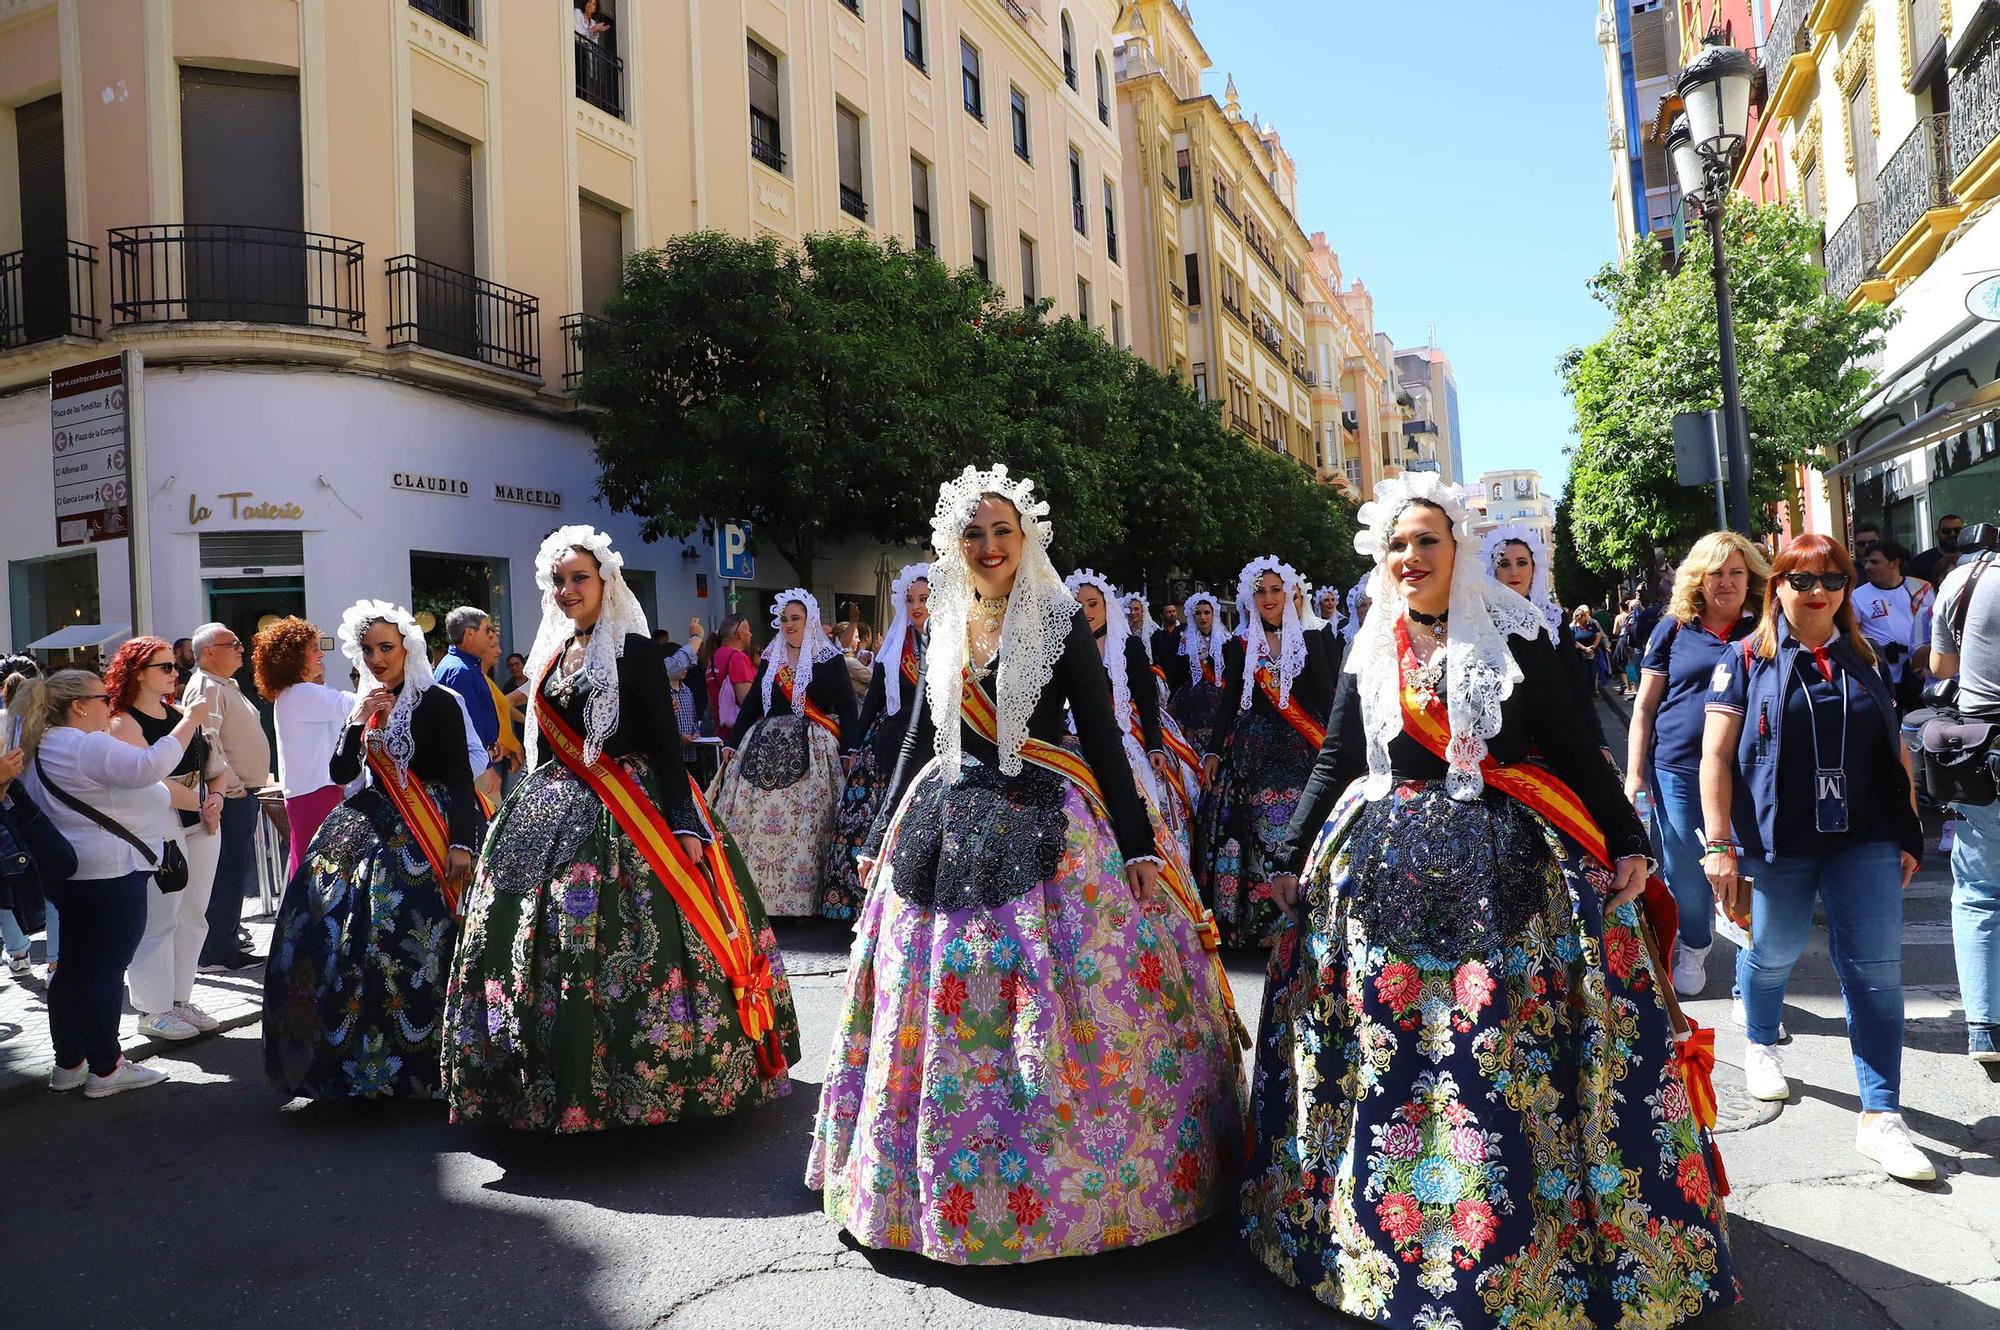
[
  {"x": 196, "y": 1017},
  {"x": 165, "y": 1025},
  {"x": 1764, "y": 1069},
  {"x": 1690, "y": 969},
  {"x": 130, "y": 1075},
  {"x": 1736, "y": 1014},
  {"x": 19, "y": 965},
  {"x": 72, "y": 1078},
  {"x": 1885, "y": 1138}
]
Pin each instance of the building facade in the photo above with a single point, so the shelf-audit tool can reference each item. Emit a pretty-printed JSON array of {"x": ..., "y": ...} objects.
[
  {"x": 1431, "y": 439},
  {"x": 353, "y": 240},
  {"x": 1640, "y": 43},
  {"x": 1514, "y": 497}
]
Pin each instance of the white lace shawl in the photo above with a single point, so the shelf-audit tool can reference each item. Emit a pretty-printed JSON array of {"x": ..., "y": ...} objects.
[
  {"x": 397, "y": 740},
  {"x": 1308, "y": 612},
  {"x": 1039, "y": 612},
  {"x": 1250, "y": 627},
  {"x": 1147, "y": 624},
  {"x": 814, "y": 647},
  {"x": 618, "y": 615},
  {"x": 890, "y": 653},
  {"x": 1479, "y": 670},
  {"x": 1194, "y": 645},
  {"x": 1325, "y": 604},
  {"x": 1355, "y": 595},
  {"x": 1540, "y": 591},
  {"x": 1116, "y": 634}
]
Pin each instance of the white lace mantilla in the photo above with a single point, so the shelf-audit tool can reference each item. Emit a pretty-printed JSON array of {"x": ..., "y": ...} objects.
[
  {"x": 814, "y": 647},
  {"x": 1540, "y": 591},
  {"x": 1250, "y": 627},
  {"x": 890, "y": 654},
  {"x": 1479, "y": 670},
  {"x": 1116, "y": 634},
  {"x": 1147, "y": 625},
  {"x": 1196, "y": 645},
  {"x": 1357, "y": 596},
  {"x": 618, "y": 615},
  {"x": 1039, "y": 612},
  {"x": 396, "y": 740}
]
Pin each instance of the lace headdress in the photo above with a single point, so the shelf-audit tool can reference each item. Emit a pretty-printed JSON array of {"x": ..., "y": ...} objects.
[
  {"x": 1308, "y": 603},
  {"x": 1196, "y": 646},
  {"x": 417, "y": 676},
  {"x": 1250, "y": 627},
  {"x": 618, "y": 615},
  {"x": 1355, "y": 595},
  {"x": 1479, "y": 670},
  {"x": 1325, "y": 603},
  {"x": 814, "y": 647},
  {"x": 1039, "y": 611},
  {"x": 890, "y": 653},
  {"x": 1116, "y": 634},
  {"x": 1540, "y": 591},
  {"x": 1125, "y": 600}
]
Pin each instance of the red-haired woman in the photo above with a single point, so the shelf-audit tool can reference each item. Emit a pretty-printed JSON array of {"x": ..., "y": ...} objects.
[
  {"x": 311, "y": 718},
  {"x": 140, "y": 680},
  {"x": 1802, "y": 755}
]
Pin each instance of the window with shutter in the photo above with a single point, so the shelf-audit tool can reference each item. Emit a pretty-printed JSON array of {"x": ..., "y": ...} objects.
[
  {"x": 447, "y": 303},
  {"x": 847, "y": 138},
  {"x": 980, "y": 262},
  {"x": 602, "y": 235},
  {"x": 1028, "y": 295},
  {"x": 767, "y": 139},
  {"x": 968, "y": 60},
  {"x": 242, "y": 197},
  {"x": 44, "y": 282},
  {"x": 920, "y": 205}
]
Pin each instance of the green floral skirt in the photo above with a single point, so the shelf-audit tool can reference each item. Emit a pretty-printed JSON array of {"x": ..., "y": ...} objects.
[{"x": 582, "y": 1000}]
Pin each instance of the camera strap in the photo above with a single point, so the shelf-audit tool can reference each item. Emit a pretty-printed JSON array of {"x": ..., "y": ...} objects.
[
  {"x": 1829, "y": 782},
  {"x": 1964, "y": 606}
]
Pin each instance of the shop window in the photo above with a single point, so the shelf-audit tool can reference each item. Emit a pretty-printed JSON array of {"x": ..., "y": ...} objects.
[
  {"x": 440, "y": 583},
  {"x": 49, "y": 594}
]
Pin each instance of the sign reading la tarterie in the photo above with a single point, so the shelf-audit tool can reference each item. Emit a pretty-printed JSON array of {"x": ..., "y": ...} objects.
[
  {"x": 418, "y": 484},
  {"x": 538, "y": 498}
]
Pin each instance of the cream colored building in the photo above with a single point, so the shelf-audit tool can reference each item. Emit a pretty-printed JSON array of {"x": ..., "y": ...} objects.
[{"x": 350, "y": 236}]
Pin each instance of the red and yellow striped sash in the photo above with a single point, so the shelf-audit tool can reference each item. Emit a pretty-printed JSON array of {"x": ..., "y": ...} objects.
[
  {"x": 783, "y": 683},
  {"x": 909, "y": 662},
  {"x": 984, "y": 719},
  {"x": 420, "y": 813},
  {"x": 1178, "y": 750},
  {"x": 1208, "y": 672},
  {"x": 1160, "y": 674},
  {"x": 706, "y": 892},
  {"x": 1295, "y": 715}
]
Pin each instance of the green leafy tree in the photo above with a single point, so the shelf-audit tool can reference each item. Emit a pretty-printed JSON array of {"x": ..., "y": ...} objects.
[
  {"x": 1575, "y": 584},
  {"x": 1800, "y": 354}
]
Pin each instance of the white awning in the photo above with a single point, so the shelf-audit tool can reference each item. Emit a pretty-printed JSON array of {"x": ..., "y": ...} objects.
[
  {"x": 80, "y": 635},
  {"x": 1941, "y": 422}
]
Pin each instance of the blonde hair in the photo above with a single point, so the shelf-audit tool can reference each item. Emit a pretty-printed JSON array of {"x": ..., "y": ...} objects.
[
  {"x": 44, "y": 703},
  {"x": 1707, "y": 556}
]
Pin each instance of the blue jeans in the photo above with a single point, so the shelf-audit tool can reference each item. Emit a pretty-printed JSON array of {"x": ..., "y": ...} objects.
[
  {"x": 1862, "y": 887},
  {"x": 1975, "y": 911},
  {"x": 1677, "y": 811},
  {"x": 87, "y": 997},
  {"x": 235, "y": 877},
  {"x": 11, "y": 936}
]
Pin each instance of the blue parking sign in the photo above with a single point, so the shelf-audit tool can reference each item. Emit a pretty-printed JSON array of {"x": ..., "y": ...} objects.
[{"x": 733, "y": 559}]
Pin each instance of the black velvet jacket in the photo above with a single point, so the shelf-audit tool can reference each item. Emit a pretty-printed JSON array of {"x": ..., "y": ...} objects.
[
  {"x": 1539, "y": 716},
  {"x": 829, "y": 689},
  {"x": 1582, "y": 673},
  {"x": 883, "y": 732},
  {"x": 1145, "y": 690},
  {"x": 437, "y": 729},
  {"x": 646, "y": 725},
  {"x": 1313, "y": 690},
  {"x": 1167, "y": 655},
  {"x": 1078, "y": 684}
]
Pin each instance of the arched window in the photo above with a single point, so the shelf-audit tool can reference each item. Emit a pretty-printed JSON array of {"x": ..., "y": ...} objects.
[
  {"x": 1103, "y": 92},
  {"x": 1069, "y": 51}
]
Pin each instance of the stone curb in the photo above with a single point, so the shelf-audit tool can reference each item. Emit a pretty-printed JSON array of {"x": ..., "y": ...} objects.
[{"x": 16, "y": 1085}]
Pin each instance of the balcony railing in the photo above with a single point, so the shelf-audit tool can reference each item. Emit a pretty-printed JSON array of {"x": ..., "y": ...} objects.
[
  {"x": 1975, "y": 102},
  {"x": 48, "y": 291},
  {"x": 452, "y": 13},
  {"x": 1917, "y": 178},
  {"x": 600, "y": 76},
  {"x": 1240, "y": 421},
  {"x": 1167, "y": 183},
  {"x": 852, "y": 203},
  {"x": 1788, "y": 38},
  {"x": 1235, "y": 310},
  {"x": 168, "y": 273},
  {"x": 435, "y": 307},
  {"x": 574, "y": 326},
  {"x": 1174, "y": 290},
  {"x": 767, "y": 153},
  {"x": 1852, "y": 252},
  {"x": 1222, "y": 202}
]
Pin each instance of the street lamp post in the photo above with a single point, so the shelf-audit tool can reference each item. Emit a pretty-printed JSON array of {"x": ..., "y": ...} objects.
[{"x": 1705, "y": 142}]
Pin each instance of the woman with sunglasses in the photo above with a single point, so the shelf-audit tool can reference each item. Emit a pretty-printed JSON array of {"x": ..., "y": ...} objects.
[
  {"x": 91, "y": 787},
  {"x": 1801, "y": 755}
]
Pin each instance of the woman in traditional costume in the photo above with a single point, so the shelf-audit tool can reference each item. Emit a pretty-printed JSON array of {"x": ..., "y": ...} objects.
[
  {"x": 780, "y": 786},
  {"x": 1471, "y": 1106},
  {"x": 354, "y": 995},
  {"x": 1197, "y": 704},
  {"x": 617, "y": 969},
  {"x": 1277, "y": 683},
  {"x": 885, "y": 714},
  {"x": 1037, "y": 1054},
  {"x": 1517, "y": 558},
  {"x": 1357, "y": 611}
]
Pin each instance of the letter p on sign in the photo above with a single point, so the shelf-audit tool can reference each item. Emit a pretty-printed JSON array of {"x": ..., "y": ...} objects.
[{"x": 733, "y": 560}]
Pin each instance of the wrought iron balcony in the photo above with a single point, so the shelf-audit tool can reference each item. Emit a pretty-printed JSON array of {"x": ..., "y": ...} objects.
[
  {"x": 768, "y": 153},
  {"x": 167, "y": 273},
  {"x": 1852, "y": 252},
  {"x": 1222, "y": 202},
  {"x": 1235, "y": 310},
  {"x": 1788, "y": 37},
  {"x": 452, "y": 13},
  {"x": 1174, "y": 290},
  {"x": 48, "y": 291},
  {"x": 600, "y": 76},
  {"x": 1242, "y": 422},
  {"x": 574, "y": 329},
  {"x": 1917, "y": 179},
  {"x": 852, "y": 203},
  {"x": 436, "y": 307},
  {"x": 1975, "y": 102}
]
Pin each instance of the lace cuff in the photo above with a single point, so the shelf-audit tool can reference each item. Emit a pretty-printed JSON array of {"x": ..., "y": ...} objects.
[{"x": 1153, "y": 859}]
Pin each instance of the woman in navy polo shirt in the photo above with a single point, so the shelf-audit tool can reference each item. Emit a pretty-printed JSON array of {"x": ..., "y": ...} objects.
[
  {"x": 1801, "y": 755},
  {"x": 1713, "y": 588}
]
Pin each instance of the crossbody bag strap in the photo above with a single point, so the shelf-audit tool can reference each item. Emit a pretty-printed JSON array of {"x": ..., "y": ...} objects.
[
  {"x": 1964, "y": 606},
  {"x": 110, "y": 825}
]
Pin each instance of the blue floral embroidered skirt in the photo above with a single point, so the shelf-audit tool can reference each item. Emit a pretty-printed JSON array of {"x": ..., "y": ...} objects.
[
  {"x": 1243, "y": 815},
  {"x": 354, "y": 991},
  {"x": 840, "y": 890},
  {"x": 1489, "y": 1131}
]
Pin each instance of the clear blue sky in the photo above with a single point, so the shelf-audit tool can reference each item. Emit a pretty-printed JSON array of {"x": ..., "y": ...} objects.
[{"x": 1453, "y": 152}]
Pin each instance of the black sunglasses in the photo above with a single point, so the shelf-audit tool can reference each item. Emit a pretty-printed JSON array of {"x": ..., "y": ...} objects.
[{"x": 1805, "y": 581}]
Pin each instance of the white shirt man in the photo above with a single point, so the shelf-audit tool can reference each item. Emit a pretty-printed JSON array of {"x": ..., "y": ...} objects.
[{"x": 1894, "y": 611}]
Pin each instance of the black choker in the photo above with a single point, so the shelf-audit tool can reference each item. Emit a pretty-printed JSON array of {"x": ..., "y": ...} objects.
[{"x": 1427, "y": 619}]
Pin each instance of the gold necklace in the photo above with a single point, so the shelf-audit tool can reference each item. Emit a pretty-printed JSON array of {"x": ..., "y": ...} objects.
[{"x": 993, "y": 609}]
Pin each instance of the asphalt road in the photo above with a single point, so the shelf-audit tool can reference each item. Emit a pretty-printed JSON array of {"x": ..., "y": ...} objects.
[{"x": 205, "y": 1202}]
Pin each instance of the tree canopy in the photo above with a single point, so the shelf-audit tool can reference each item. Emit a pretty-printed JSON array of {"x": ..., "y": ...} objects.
[
  {"x": 1800, "y": 353},
  {"x": 824, "y": 392}
]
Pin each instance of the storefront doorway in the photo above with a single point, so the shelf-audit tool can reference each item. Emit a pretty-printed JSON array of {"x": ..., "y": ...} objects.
[
  {"x": 440, "y": 583},
  {"x": 48, "y": 594},
  {"x": 246, "y": 604}
]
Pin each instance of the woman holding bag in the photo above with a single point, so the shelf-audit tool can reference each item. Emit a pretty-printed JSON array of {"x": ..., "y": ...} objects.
[
  {"x": 107, "y": 800},
  {"x": 161, "y": 977}
]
